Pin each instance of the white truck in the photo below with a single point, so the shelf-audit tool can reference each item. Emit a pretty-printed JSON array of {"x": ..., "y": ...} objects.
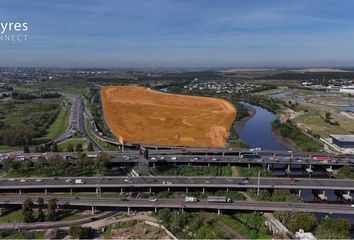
[
  {"x": 79, "y": 181},
  {"x": 218, "y": 199},
  {"x": 191, "y": 199}
]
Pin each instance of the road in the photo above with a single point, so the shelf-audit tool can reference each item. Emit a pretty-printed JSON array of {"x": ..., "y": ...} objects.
[
  {"x": 264, "y": 206},
  {"x": 170, "y": 182},
  {"x": 156, "y": 157}
]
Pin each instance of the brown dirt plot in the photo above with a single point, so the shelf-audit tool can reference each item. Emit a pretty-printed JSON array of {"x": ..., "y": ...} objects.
[{"x": 142, "y": 115}]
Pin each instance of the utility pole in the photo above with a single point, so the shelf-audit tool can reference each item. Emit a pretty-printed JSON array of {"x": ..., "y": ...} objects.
[{"x": 258, "y": 182}]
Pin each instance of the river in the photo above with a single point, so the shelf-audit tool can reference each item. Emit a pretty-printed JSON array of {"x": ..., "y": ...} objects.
[{"x": 257, "y": 131}]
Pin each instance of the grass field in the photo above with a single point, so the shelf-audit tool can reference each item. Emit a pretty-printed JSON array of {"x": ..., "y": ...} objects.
[
  {"x": 145, "y": 116},
  {"x": 59, "y": 126},
  {"x": 64, "y": 145}
]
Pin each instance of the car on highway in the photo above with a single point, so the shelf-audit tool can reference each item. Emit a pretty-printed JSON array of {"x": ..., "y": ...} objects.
[
  {"x": 38, "y": 180},
  {"x": 23, "y": 180}
]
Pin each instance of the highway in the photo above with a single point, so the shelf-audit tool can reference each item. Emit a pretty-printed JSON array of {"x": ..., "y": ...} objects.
[
  {"x": 171, "y": 183},
  {"x": 264, "y": 206},
  {"x": 158, "y": 158}
]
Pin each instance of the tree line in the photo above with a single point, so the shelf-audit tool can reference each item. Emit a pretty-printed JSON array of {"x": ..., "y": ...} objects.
[{"x": 56, "y": 166}]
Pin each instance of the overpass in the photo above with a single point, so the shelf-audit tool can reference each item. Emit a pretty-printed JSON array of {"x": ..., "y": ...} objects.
[
  {"x": 170, "y": 183},
  {"x": 239, "y": 158},
  {"x": 129, "y": 204}
]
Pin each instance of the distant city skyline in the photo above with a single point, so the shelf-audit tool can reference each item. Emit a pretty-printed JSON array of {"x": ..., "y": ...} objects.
[{"x": 180, "y": 33}]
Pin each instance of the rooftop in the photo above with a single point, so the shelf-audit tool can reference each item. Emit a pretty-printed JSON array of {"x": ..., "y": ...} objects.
[{"x": 343, "y": 138}]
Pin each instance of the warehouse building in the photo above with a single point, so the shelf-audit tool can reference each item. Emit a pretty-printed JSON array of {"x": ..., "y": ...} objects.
[{"x": 343, "y": 141}]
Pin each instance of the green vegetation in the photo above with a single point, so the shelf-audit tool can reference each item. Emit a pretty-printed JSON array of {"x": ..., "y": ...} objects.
[
  {"x": 79, "y": 232},
  {"x": 327, "y": 229},
  {"x": 104, "y": 145},
  {"x": 237, "y": 143},
  {"x": 97, "y": 113},
  {"x": 271, "y": 104},
  {"x": 12, "y": 216},
  {"x": 249, "y": 225},
  {"x": 33, "y": 94},
  {"x": 277, "y": 195},
  {"x": 297, "y": 220},
  {"x": 289, "y": 130},
  {"x": 73, "y": 142},
  {"x": 184, "y": 170},
  {"x": 22, "y": 235},
  {"x": 334, "y": 229},
  {"x": 58, "y": 126},
  {"x": 107, "y": 234},
  {"x": 253, "y": 171},
  {"x": 190, "y": 225},
  {"x": 22, "y": 121},
  {"x": 346, "y": 172},
  {"x": 57, "y": 166},
  {"x": 242, "y": 111}
]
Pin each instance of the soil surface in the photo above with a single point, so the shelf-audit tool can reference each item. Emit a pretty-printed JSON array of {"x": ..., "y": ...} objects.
[{"x": 141, "y": 115}]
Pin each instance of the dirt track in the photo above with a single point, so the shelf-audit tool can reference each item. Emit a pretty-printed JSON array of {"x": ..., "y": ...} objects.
[{"x": 145, "y": 116}]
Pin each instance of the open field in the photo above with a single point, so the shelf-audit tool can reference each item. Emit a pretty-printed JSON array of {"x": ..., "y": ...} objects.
[{"x": 145, "y": 116}]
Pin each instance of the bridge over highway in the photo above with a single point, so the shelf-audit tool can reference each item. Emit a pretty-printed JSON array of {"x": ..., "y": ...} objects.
[
  {"x": 109, "y": 203},
  {"x": 171, "y": 183}
]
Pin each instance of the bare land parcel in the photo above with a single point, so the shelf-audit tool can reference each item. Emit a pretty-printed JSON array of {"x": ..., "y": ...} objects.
[{"x": 142, "y": 115}]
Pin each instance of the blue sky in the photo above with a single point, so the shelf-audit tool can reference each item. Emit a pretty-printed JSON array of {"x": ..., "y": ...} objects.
[{"x": 181, "y": 33}]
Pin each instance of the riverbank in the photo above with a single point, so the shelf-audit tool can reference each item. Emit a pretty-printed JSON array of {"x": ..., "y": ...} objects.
[
  {"x": 240, "y": 124},
  {"x": 252, "y": 136},
  {"x": 286, "y": 142}
]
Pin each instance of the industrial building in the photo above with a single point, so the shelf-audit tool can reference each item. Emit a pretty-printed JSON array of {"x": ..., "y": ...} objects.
[
  {"x": 347, "y": 89},
  {"x": 343, "y": 141}
]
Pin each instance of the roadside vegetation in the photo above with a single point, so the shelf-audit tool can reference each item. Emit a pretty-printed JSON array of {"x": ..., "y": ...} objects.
[
  {"x": 204, "y": 225},
  {"x": 327, "y": 228},
  {"x": 22, "y": 235},
  {"x": 56, "y": 166},
  {"x": 23, "y": 121},
  {"x": 184, "y": 170},
  {"x": 253, "y": 171},
  {"x": 346, "y": 172},
  {"x": 291, "y": 131},
  {"x": 59, "y": 125},
  {"x": 276, "y": 195}
]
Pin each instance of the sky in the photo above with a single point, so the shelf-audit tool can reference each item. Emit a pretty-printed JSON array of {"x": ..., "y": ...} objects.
[{"x": 180, "y": 33}]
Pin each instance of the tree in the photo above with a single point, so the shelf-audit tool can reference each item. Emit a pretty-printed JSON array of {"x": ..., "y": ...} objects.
[
  {"x": 26, "y": 149},
  {"x": 295, "y": 221},
  {"x": 102, "y": 162},
  {"x": 70, "y": 148},
  {"x": 81, "y": 232},
  {"x": 57, "y": 166},
  {"x": 164, "y": 215},
  {"x": 27, "y": 211},
  {"x": 328, "y": 115},
  {"x": 54, "y": 148},
  {"x": 41, "y": 215},
  {"x": 79, "y": 148},
  {"x": 52, "y": 208},
  {"x": 334, "y": 229},
  {"x": 40, "y": 165},
  {"x": 90, "y": 147},
  {"x": 84, "y": 165}
]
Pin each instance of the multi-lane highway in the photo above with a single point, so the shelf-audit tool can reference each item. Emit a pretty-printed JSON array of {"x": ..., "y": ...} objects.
[
  {"x": 171, "y": 182},
  {"x": 181, "y": 204},
  {"x": 241, "y": 158}
]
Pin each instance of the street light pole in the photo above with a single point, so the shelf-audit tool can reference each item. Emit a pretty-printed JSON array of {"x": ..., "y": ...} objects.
[{"x": 258, "y": 183}]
